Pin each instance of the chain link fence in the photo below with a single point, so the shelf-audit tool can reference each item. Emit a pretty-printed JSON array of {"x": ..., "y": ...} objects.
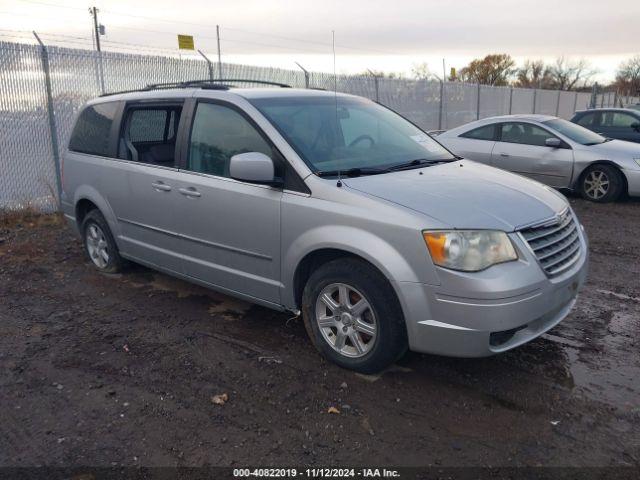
[{"x": 42, "y": 89}]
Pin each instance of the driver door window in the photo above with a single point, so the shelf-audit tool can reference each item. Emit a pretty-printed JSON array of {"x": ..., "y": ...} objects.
[
  {"x": 218, "y": 134},
  {"x": 618, "y": 120},
  {"x": 524, "y": 133}
]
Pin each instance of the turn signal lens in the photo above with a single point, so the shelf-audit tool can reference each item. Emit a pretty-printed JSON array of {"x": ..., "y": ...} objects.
[
  {"x": 436, "y": 243},
  {"x": 469, "y": 250}
]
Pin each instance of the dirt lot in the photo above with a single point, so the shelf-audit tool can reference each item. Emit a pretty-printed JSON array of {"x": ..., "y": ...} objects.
[{"x": 120, "y": 370}]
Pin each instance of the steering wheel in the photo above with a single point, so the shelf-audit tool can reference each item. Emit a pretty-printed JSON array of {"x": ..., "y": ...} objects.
[{"x": 361, "y": 138}]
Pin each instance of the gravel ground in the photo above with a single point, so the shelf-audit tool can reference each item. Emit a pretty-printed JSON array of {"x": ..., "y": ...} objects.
[{"x": 106, "y": 370}]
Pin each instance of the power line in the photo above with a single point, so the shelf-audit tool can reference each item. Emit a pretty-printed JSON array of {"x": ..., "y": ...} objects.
[
  {"x": 35, "y": 2},
  {"x": 232, "y": 29}
]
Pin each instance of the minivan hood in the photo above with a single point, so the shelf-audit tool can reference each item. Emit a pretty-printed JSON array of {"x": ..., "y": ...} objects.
[{"x": 466, "y": 195}]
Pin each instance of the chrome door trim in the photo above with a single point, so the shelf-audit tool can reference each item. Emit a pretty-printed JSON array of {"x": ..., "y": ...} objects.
[{"x": 221, "y": 246}]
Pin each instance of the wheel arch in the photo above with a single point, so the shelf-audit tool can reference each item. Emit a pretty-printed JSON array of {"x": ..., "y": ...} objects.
[
  {"x": 580, "y": 177},
  {"x": 364, "y": 246},
  {"x": 88, "y": 198}
]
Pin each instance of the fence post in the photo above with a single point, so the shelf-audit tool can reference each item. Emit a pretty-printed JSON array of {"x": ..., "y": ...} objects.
[
  {"x": 535, "y": 93},
  {"x": 478, "y": 103},
  {"x": 53, "y": 131},
  {"x": 306, "y": 75},
  {"x": 376, "y": 84},
  {"x": 209, "y": 64},
  {"x": 575, "y": 103},
  {"x": 510, "y": 99},
  {"x": 441, "y": 107},
  {"x": 558, "y": 103}
]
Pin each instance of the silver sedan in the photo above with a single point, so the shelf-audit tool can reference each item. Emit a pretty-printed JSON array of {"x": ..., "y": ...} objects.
[{"x": 553, "y": 151}]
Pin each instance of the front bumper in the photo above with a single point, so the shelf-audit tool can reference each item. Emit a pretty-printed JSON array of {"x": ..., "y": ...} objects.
[
  {"x": 483, "y": 313},
  {"x": 633, "y": 182}
]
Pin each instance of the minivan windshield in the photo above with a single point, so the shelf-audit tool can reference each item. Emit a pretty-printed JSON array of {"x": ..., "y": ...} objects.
[
  {"x": 575, "y": 132},
  {"x": 334, "y": 134}
]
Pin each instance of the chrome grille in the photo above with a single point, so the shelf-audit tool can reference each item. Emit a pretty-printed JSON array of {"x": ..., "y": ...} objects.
[{"x": 556, "y": 245}]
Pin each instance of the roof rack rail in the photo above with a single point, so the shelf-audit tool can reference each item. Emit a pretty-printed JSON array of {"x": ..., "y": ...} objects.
[
  {"x": 246, "y": 80},
  {"x": 212, "y": 84}
]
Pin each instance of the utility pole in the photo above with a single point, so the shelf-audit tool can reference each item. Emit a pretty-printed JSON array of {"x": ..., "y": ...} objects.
[
  {"x": 219, "y": 56},
  {"x": 97, "y": 29},
  {"x": 94, "y": 13}
]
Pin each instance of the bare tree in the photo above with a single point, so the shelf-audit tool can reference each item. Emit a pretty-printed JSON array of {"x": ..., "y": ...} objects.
[
  {"x": 381, "y": 74},
  {"x": 494, "y": 69},
  {"x": 567, "y": 74},
  {"x": 420, "y": 71},
  {"x": 628, "y": 76},
  {"x": 534, "y": 74}
]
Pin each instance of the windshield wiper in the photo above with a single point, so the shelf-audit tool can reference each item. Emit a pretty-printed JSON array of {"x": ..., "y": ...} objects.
[
  {"x": 351, "y": 172},
  {"x": 358, "y": 171},
  {"x": 417, "y": 163}
]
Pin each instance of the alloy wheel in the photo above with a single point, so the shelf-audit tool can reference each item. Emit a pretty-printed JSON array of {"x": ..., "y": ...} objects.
[
  {"x": 596, "y": 184},
  {"x": 346, "y": 320},
  {"x": 97, "y": 245}
]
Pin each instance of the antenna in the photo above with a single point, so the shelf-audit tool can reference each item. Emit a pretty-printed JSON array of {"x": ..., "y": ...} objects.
[{"x": 335, "y": 93}]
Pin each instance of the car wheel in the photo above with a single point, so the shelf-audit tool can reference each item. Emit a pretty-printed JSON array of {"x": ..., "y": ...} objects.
[
  {"x": 601, "y": 183},
  {"x": 99, "y": 244},
  {"x": 353, "y": 316}
]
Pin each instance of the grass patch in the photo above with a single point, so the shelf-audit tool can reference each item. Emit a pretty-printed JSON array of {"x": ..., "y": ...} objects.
[{"x": 28, "y": 216}]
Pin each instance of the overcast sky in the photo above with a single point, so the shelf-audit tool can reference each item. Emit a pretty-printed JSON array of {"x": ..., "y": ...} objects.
[{"x": 376, "y": 34}]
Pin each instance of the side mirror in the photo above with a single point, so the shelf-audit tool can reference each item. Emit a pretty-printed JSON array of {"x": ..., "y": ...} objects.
[
  {"x": 254, "y": 167},
  {"x": 553, "y": 142},
  {"x": 636, "y": 126}
]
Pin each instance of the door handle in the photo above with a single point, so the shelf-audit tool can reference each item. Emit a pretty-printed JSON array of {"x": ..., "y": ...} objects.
[
  {"x": 161, "y": 186},
  {"x": 504, "y": 154},
  {"x": 190, "y": 192}
]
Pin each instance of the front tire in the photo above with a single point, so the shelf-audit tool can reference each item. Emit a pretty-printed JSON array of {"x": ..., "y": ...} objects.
[
  {"x": 99, "y": 245},
  {"x": 353, "y": 316},
  {"x": 601, "y": 183}
]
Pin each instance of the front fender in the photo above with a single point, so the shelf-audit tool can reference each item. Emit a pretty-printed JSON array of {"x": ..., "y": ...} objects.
[{"x": 380, "y": 253}]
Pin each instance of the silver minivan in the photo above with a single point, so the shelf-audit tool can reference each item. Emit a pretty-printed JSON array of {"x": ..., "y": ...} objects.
[{"x": 328, "y": 205}]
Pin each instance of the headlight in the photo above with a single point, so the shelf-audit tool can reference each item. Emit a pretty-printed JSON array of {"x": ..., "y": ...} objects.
[
  {"x": 469, "y": 250},
  {"x": 637, "y": 160}
]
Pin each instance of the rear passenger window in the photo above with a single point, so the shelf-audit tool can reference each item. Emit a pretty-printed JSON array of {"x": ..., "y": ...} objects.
[
  {"x": 93, "y": 128},
  {"x": 218, "y": 134},
  {"x": 149, "y": 135},
  {"x": 483, "y": 133}
]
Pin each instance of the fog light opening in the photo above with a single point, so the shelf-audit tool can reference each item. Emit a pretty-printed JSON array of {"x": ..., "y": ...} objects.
[{"x": 500, "y": 338}]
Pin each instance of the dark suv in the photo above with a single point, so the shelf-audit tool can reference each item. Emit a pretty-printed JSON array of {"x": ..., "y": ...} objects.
[{"x": 618, "y": 123}]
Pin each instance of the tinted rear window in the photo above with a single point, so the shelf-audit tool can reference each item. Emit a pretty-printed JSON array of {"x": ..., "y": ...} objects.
[
  {"x": 92, "y": 130},
  {"x": 483, "y": 133}
]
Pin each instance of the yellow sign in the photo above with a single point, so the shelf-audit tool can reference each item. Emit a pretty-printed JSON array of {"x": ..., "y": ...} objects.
[
  {"x": 185, "y": 42},
  {"x": 453, "y": 72}
]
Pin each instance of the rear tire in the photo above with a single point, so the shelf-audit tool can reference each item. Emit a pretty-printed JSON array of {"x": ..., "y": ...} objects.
[
  {"x": 601, "y": 183},
  {"x": 353, "y": 316},
  {"x": 99, "y": 245}
]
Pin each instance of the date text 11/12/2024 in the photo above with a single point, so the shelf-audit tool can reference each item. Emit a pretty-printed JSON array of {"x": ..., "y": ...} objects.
[{"x": 315, "y": 473}]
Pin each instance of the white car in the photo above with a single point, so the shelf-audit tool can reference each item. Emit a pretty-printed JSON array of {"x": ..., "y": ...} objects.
[{"x": 553, "y": 151}]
